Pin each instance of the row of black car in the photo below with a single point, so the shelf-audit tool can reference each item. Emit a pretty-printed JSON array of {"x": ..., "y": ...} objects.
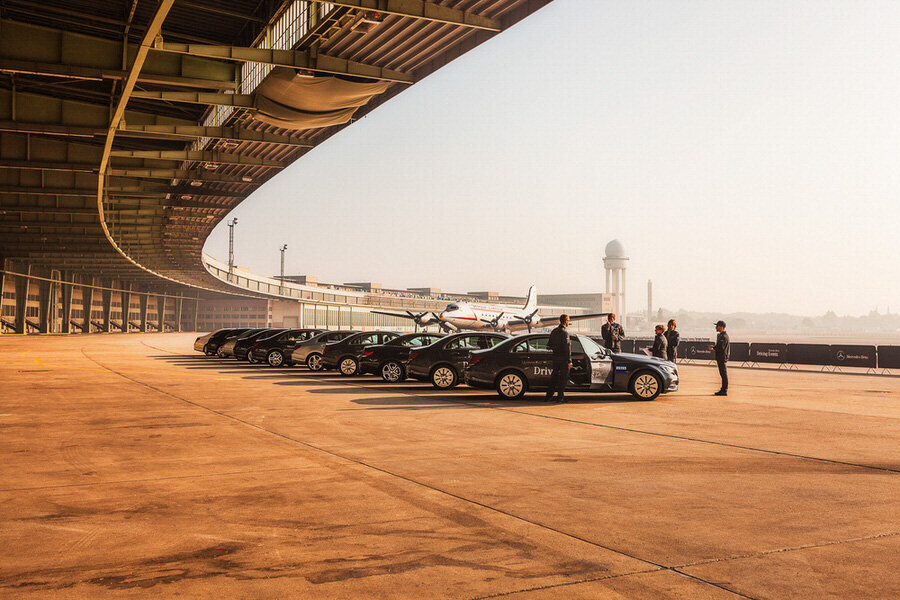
[{"x": 511, "y": 365}]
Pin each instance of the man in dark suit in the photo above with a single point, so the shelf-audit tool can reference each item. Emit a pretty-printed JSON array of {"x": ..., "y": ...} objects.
[
  {"x": 659, "y": 344},
  {"x": 723, "y": 351},
  {"x": 562, "y": 360},
  {"x": 672, "y": 340},
  {"x": 612, "y": 333}
]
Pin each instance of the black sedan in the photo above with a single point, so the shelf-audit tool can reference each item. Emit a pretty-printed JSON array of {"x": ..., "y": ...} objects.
[
  {"x": 309, "y": 352},
  {"x": 345, "y": 354},
  {"x": 226, "y": 348},
  {"x": 444, "y": 361},
  {"x": 272, "y": 349},
  {"x": 242, "y": 347},
  {"x": 209, "y": 343},
  {"x": 389, "y": 360},
  {"x": 524, "y": 364}
]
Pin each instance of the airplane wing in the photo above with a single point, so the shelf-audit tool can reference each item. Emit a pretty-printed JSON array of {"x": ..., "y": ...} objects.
[
  {"x": 390, "y": 314},
  {"x": 517, "y": 324}
]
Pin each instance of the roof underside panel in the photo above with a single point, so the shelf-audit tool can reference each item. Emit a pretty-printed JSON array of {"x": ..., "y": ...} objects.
[{"x": 187, "y": 148}]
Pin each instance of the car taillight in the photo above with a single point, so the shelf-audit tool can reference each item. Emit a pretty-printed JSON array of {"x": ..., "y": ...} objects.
[
  {"x": 368, "y": 353},
  {"x": 325, "y": 350},
  {"x": 474, "y": 360},
  {"x": 414, "y": 354}
]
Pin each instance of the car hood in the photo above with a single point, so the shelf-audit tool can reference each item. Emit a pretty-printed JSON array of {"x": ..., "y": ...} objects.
[{"x": 642, "y": 359}]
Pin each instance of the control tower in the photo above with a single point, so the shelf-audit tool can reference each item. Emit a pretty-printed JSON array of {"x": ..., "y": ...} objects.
[{"x": 615, "y": 262}]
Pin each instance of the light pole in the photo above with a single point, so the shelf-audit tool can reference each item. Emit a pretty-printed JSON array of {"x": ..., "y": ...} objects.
[
  {"x": 281, "y": 287},
  {"x": 231, "y": 246}
]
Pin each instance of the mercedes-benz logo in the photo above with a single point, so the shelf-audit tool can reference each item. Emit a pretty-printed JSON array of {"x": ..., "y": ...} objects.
[
  {"x": 840, "y": 355},
  {"x": 693, "y": 350}
]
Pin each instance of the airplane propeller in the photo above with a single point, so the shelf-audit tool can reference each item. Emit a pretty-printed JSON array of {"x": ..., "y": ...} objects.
[
  {"x": 494, "y": 323},
  {"x": 420, "y": 320},
  {"x": 529, "y": 319}
]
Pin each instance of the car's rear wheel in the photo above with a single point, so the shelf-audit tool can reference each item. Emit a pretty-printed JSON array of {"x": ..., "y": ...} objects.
[
  {"x": 444, "y": 377},
  {"x": 251, "y": 359},
  {"x": 348, "y": 366},
  {"x": 392, "y": 372},
  {"x": 314, "y": 362},
  {"x": 645, "y": 385},
  {"x": 511, "y": 385},
  {"x": 220, "y": 353},
  {"x": 275, "y": 358}
]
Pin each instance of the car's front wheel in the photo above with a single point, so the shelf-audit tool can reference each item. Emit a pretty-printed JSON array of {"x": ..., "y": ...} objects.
[
  {"x": 444, "y": 377},
  {"x": 314, "y": 362},
  {"x": 220, "y": 353},
  {"x": 275, "y": 358},
  {"x": 511, "y": 385},
  {"x": 392, "y": 372},
  {"x": 251, "y": 359},
  {"x": 645, "y": 385},
  {"x": 208, "y": 351},
  {"x": 348, "y": 366}
]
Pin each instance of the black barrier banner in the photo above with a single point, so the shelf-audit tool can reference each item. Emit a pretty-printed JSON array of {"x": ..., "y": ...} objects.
[
  {"x": 628, "y": 346},
  {"x": 808, "y": 354},
  {"x": 696, "y": 350},
  {"x": 889, "y": 357},
  {"x": 740, "y": 352},
  {"x": 853, "y": 355},
  {"x": 768, "y": 353},
  {"x": 639, "y": 345}
]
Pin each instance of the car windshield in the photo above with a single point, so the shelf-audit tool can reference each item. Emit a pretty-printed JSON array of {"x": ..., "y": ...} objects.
[{"x": 591, "y": 348}]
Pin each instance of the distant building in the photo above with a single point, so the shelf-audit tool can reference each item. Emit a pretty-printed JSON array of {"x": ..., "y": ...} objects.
[{"x": 615, "y": 262}]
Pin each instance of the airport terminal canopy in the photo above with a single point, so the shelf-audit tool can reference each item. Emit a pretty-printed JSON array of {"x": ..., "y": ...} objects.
[{"x": 130, "y": 128}]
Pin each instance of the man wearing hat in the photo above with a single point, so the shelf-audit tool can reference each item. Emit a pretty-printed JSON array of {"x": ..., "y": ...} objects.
[{"x": 723, "y": 350}]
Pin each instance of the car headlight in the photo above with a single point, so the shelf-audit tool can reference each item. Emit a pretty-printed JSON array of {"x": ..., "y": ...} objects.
[{"x": 670, "y": 370}]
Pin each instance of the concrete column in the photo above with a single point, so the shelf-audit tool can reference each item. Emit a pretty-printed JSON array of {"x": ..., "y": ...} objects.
[
  {"x": 624, "y": 306},
  {"x": 106, "y": 299},
  {"x": 21, "y": 302},
  {"x": 161, "y": 313},
  {"x": 125, "y": 295},
  {"x": 179, "y": 305},
  {"x": 144, "y": 312},
  {"x": 67, "y": 303},
  {"x": 608, "y": 281},
  {"x": 87, "y": 303},
  {"x": 196, "y": 313}
]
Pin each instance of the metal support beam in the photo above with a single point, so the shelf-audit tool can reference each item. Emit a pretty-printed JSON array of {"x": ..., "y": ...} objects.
[
  {"x": 233, "y": 134},
  {"x": 209, "y": 98},
  {"x": 196, "y": 313},
  {"x": 308, "y": 60},
  {"x": 206, "y": 176},
  {"x": 428, "y": 11},
  {"x": 197, "y": 156},
  {"x": 125, "y": 295},
  {"x": 45, "y": 306}
]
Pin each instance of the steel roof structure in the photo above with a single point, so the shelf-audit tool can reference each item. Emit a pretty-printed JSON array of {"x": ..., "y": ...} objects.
[{"x": 125, "y": 134}]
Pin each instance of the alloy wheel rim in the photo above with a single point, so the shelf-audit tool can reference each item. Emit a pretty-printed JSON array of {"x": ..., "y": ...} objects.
[
  {"x": 443, "y": 377},
  {"x": 315, "y": 362},
  {"x": 511, "y": 385},
  {"x": 646, "y": 385},
  {"x": 275, "y": 359},
  {"x": 391, "y": 372},
  {"x": 348, "y": 366}
]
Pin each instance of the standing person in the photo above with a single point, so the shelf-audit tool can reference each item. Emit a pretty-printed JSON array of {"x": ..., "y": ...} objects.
[
  {"x": 672, "y": 339},
  {"x": 723, "y": 351},
  {"x": 659, "y": 344},
  {"x": 612, "y": 333},
  {"x": 562, "y": 360}
]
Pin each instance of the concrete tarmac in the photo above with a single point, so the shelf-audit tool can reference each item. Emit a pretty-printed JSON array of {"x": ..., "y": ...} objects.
[{"x": 132, "y": 467}]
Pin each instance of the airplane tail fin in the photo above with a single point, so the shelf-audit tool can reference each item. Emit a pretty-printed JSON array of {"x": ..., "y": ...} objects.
[{"x": 530, "y": 301}]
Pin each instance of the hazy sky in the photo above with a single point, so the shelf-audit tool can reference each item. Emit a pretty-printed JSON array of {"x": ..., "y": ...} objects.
[{"x": 746, "y": 153}]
